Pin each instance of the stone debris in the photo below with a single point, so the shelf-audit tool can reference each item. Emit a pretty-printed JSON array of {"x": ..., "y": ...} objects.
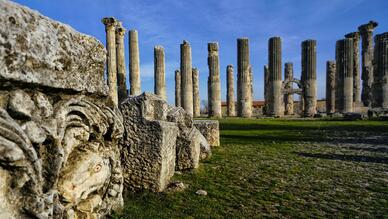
[
  {"x": 176, "y": 186},
  {"x": 201, "y": 192}
]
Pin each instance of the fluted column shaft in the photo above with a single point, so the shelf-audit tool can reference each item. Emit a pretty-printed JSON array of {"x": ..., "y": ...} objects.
[
  {"x": 275, "y": 97},
  {"x": 196, "y": 98},
  {"x": 214, "y": 84},
  {"x": 134, "y": 64},
  {"x": 380, "y": 86},
  {"x": 330, "y": 87},
  {"x": 110, "y": 29},
  {"x": 356, "y": 66},
  {"x": 309, "y": 77},
  {"x": 178, "y": 86},
  {"x": 121, "y": 72},
  {"x": 230, "y": 104},
  {"x": 366, "y": 31},
  {"x": 244, "y": 101},
  {"x": 344, "y": 76},
  {"x": 266, "y": 91},
  {"x": 288, "y": 99},
  {"x": 187, "y": 78},
  {"x": 159, "y": 72}
]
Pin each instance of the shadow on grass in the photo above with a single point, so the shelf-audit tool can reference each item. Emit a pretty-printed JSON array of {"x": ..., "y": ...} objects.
[
  {"x": 354, "y": 158},
  {"x": 326, "y": 126},
  {"x": 370, "y": 149}
]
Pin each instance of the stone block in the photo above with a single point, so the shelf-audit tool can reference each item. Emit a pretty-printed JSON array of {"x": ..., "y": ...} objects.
[
  {"x": 39, "y": 51},
  {"x": 149, "y": 143},
  {"x": 210, "y": 130}
]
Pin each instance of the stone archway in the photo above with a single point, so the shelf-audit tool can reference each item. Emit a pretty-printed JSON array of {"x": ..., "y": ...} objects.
[{"x": 288, "y": 91}]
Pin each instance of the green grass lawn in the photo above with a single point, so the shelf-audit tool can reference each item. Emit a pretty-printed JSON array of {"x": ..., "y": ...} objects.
[{"x": 282, "y": 168}]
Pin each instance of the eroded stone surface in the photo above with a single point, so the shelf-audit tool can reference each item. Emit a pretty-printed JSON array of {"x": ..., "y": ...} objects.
[
  {"x": 39, "y": 51},
  {"x": 159, "y": 138},
  {"x": 79, "y": 141},
  {"x": 59, "y": 132},
  {"x": 149, "y": 143},
  {"x": 210, "y": 130}
]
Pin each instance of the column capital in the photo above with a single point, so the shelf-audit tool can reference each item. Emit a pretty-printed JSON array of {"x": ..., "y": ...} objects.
[
  {"x": 212, "y": 47},
  {"x": 120, "y": 30},
  {"x": 110, "y": 23},
  {"x": 369, "y": 27}
]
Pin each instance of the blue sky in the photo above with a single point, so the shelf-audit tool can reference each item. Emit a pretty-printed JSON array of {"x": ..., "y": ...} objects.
[{"x": 168, "y": 23}]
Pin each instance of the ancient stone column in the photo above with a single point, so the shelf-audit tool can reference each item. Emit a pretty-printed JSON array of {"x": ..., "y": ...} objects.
[
  {"x": 214, "y": 84},
  {"x": 344, "y": 76},
  {"x": 196, "y": 98},
  {"x": 244, "y": 96},
  {"x": 356, "y": 66},
  {"x": 110, "y": 29},
  {"x": 186, "y": 78},
  {"x": 266, "y": 91},
  {"x": 330, "y": 87},
  {"x": 288, "y": 99},
  {"x": 366, "y": 31},
  {"x": 159, "y": 72},
  {"x": 275, "y": 97},
  {"x": 121, "y": 71},
  {"x": 230, "y": 104},
  {"x": 380, "y": 84},
  {"x": 309, "y": 77},
  {"x": 178, "y": 86},
  {"x": 134, "y": 64}
]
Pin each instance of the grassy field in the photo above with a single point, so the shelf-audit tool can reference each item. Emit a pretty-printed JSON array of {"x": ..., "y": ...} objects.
[{"x": 282, "y": 168}]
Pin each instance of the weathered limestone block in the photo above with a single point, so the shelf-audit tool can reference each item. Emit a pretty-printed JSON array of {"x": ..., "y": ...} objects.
[
  {"x": 149, "y": 143},
  {"x": 42, "y": 52},
  {"x": 59, "y": 131},
  {"x": 71, "y": 153},
  {"x": 188, "y": 145},
  {"x": 158, "y": 139},
  {"x": 210, "y": 130}
]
